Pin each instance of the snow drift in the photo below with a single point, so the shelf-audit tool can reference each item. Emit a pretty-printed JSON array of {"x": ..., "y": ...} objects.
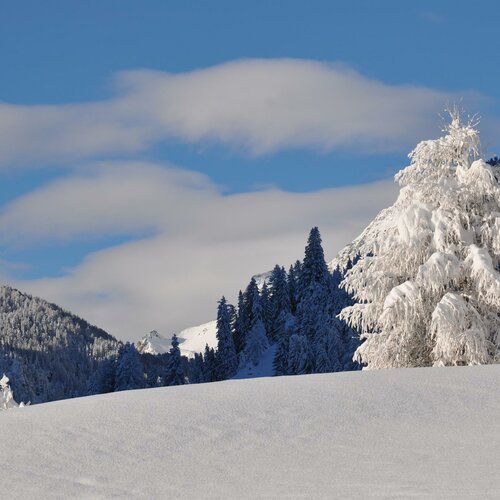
[{"x": 420, "y": 433}]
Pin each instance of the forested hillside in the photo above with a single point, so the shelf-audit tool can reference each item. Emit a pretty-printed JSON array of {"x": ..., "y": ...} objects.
[{"x": 48, "y": 353}]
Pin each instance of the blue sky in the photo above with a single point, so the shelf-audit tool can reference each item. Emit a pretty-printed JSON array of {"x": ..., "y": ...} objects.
[{"x": 61, "y": 53}]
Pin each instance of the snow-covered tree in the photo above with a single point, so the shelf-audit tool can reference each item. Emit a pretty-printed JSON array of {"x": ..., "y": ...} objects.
[
  {"x": 209, "y": 365},
  {"x": 175, "y": 373},
  {"x": 298, "y": 355},
  {"x": 6, "y": 397},
  {"x": 129, "y": 370},
  {"x": 256, "y": 339},
  {"x": 227, "y": 359},
  {"x": 428, "y": 282},
  {"x": 240, "y": 324}
]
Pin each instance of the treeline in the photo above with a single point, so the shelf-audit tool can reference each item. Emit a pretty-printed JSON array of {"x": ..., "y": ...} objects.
[
  {"x": 294, "y": 312},
  {"x": 50, "y": 354}
]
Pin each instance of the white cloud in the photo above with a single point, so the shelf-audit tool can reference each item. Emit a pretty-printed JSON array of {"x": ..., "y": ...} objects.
[
  {"x": 258, "y": 105},
  {"x": 203, "y": 244}
]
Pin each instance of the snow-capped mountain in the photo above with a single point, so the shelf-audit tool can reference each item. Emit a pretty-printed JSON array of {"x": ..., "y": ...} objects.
[
  {"x": 153, "y": 343},
  {"x": 191, "y": 340}
]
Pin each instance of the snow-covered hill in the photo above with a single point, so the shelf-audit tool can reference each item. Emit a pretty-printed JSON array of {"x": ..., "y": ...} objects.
[
  {"x": 191, "y": 340},
  {"x": 411, "y": 433},
  {"x": 194, "y": 339}
]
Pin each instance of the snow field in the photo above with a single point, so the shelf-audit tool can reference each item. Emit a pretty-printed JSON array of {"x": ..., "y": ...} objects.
[{"x": 412, "y": 433}]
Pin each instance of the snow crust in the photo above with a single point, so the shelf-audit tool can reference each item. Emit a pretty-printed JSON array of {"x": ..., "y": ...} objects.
[{"x": 412, "y": 433}]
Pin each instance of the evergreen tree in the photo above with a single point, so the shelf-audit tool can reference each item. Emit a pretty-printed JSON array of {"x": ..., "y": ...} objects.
[
  {"x": 279, "y": 303},
  {"x": 209, "y": 365},
  {"x": 265, "y": 301},
  {"x": 256, "y": 342},
  {"x": 298, "y": 357},
  {"x": 241, "y": 324},
  {"x": 314, "y": 268},
  {"x": 6, "y": 396},
  {"x": 103, "y": 380},
  {"x": 316, "y": 310},
  {"x": 226, "y": 358},
  {"x": 428, "y": 283},
  {"x": 175, "y": 372},
  {"x": 293, "y": 278},
  {"x": 197, "y": 370},
  {"x": 252, "y": 303},
  {"x": 129, "y": 371}
]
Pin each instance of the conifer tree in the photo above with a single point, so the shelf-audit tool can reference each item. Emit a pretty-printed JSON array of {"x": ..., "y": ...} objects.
[
  {"x": 298, "y": 355},
  {"x": 129, "y": 370},
  {"x": 428, "y": 282},
  {"x": 316, "y": 320},
  {"x": 227, "y": 360},
  {"x": 175, "y": 373},
  {"x": 241, "y": 324},
  {"x": 209, "y": 365},
  {"x": 196, "y": 367},
  {"x": 293, "y": 275},
  {"x": 256, "y": 342}
]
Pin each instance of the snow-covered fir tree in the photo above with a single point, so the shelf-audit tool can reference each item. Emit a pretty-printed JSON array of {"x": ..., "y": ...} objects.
[
  {"x": 209, "y": 365},
  {"x": 428, "y": 282},
  {"x": 256, "y": 338},
  {"x": 227, "y": 360},
  {"x": 316, "y": 319},
  {"x": 175, "y": 372},
  {"x": 7, "y": 400},
  {"x": 240, "y": 324},
  {"x": 129, "y": 369}
]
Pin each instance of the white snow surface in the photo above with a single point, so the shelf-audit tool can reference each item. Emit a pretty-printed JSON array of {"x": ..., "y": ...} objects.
[
  {"x": 404, "y": 433},
  {"x": 195, "y": 338},
  {"x": 191, "y": 340}
]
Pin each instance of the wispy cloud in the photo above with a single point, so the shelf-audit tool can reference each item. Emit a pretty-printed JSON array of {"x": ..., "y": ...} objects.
[
  {"x": 202, "y": 244},
  {"x": 258, "y": 105}
]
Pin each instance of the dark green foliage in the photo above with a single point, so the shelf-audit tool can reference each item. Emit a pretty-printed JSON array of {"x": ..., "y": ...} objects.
[
  {"x": 175, "y": 370},
  {"x": 226, "y": 357},
  {"x": 129, "y": 371}
]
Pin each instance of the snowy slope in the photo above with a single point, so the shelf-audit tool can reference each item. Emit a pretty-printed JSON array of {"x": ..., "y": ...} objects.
[
  {"x": 194, "y": 339},
  {"x": 191, "y": 340},
  {"x": 411, "y": 433},
  {"x": 153, "y": 343}
]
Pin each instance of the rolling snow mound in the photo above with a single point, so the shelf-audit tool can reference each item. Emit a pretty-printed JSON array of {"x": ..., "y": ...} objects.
[{"x": 419, "y": 433}]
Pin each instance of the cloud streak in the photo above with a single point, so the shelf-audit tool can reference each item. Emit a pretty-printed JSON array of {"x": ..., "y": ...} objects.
[
  {"x": 259, "y": 106},
  {"x": 200, "y": 245}
]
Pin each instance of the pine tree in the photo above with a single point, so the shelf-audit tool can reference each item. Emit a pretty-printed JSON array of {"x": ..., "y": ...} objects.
[
  {"x": 428, "y": 282},
  {"x": 279, "y": 303},
  {"x": 256, "y": 342},
  {"x": 196, "y": 369},
  {"x": 298, "y": 355},
  {"x": 6, "y": 396},
  {"x": 129, "y": 370},
  {"x": 241, "y": 324},
  {"x": 226, "y": 358},
  {"x": 293, "y": 275},
  {"x": 314, "y": 268},
  {"x": 209, "y": 365},
  {"x": 316, "y": 310},
  {"x": 175, "y": 372},
  {"x": 252, "y": 303},
  {"x": 266, "y": 307}
]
